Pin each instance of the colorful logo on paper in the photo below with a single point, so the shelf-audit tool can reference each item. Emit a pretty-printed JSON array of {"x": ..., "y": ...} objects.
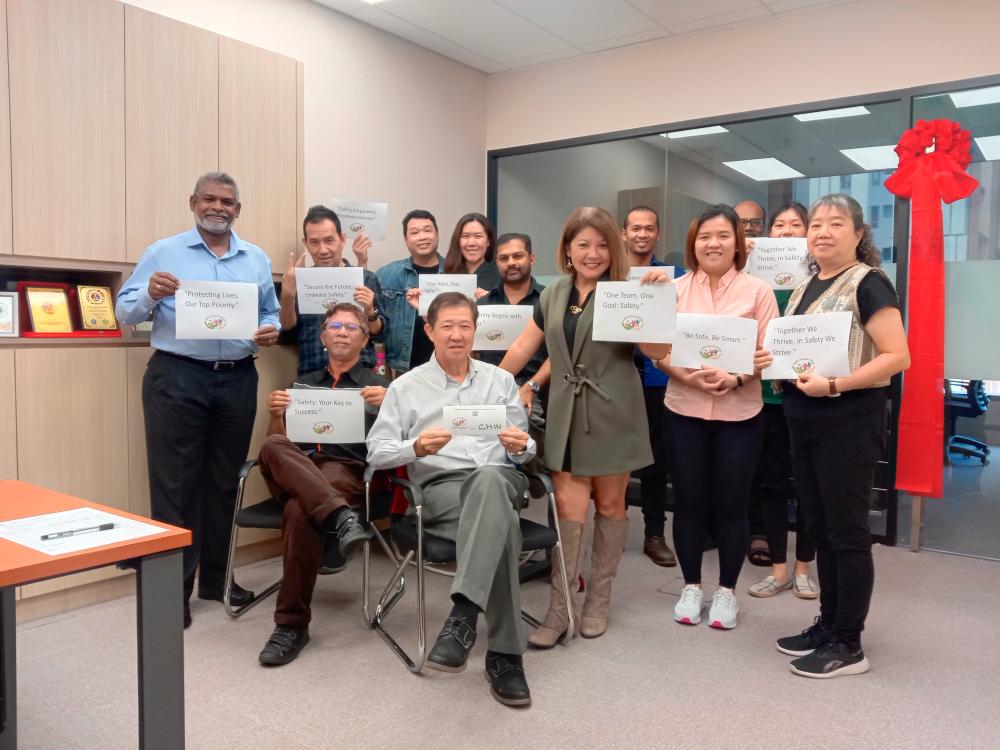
[
  {"x": 458, "y": 422},
  {"x": 632, "y": 323},
  {"x": 710, "y": 351},
  {"x": 494, "y": 336},
  {"x": 215, "y": 322},
  {"x": 357, "y": 227},
  {"x": 803, "y": 366},
  {"x": 784, "y": 279},
  {"x": 322, "y": 428}
]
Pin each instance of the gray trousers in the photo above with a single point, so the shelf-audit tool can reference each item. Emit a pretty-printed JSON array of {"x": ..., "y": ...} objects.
[{"x": 478, "y": 510}]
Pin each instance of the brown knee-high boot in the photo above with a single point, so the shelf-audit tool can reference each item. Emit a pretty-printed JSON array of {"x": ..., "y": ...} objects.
[
  {"x": 609, "y": 544},
  {"x": 556, "y": 623}
]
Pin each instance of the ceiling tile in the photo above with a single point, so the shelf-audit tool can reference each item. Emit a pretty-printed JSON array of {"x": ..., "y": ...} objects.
[
  {"x": 672, "y": 13},
  {"x": 375, "y": 17},
  {"x": 624, "y": 41},
  {"x": 479, "y": 25},
  {"x": 782, "y": 6},
  {"x": 583, "y": 23},
  {"x": 717, "y": 22},
  {"x": 546, "y": 57}
]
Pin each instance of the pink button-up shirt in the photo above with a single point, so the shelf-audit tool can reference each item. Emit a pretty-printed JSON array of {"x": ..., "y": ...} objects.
[{"x": 739, "y": 294}]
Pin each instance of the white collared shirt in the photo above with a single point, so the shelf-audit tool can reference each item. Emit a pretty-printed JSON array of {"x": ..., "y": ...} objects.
[{"x": 415, "y": 402}]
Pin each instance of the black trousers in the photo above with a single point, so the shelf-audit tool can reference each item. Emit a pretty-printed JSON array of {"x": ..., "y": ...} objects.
[
  {"x": 835, "y": 460},
  {"x": 198, "y": 426},
  {"x": 712, "y": 465},
  {"x": 653, "y": 478},
  {"x": 773, "y": 488}
]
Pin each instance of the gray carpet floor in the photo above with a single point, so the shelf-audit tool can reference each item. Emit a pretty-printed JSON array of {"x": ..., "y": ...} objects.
[{"x": 648, "y": 683}]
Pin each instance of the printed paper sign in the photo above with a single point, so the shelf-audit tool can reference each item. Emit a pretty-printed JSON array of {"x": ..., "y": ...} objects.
[
  {"x": 488, "y": 419},
  {"x": 432, "y": 284},
  {"x": 723, "y": 341},
  {"x": 325, "y": 416},
  {"x": 780, "y": 261},
  {"x": 319, "y": 289},
  {"x": 637, "y": 272},
  {"x": 499, "y": 326},
  {"x": 359, "y": 217},
  {"x": 630, "y": 311},
  {"x": 216, "y": 310},
  {"x": 806, "y": 344}
]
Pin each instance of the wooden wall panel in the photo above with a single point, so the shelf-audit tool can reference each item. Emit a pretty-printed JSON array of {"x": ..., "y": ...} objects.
[
  {"x": 72, "y": 431},
  {"x": 67, "y": 123},
  {"x": 8, "y": 406},
  {"x": 136, "y": 359},
  {"x": 258, "y": 143},
  {"x": 171, "y": 123},
  {"x": 6, "y": 230}
]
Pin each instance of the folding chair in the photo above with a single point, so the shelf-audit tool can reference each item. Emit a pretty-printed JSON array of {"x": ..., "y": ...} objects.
[
  {"x": 420, "y": 548},
  {"x": 268, "y": 514}
]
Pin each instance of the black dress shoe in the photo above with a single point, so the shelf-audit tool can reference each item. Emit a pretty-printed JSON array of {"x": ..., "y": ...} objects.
[
  {"x": 187, "y": 615},
  {"x": 452, "y": 647},
  {"x": 351, "y": 533},
  {"x": 238, "y": 596},
  {"x": 333, "y": 561},
  {"x": 508, "y": 684},
  {"x": 283, "y": 646}
]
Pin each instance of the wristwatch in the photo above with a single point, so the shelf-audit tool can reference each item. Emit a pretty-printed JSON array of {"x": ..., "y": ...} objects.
[
  {"x": 533, "y": 386},
  {"x": 833, "y": 388},
  {"x": 373, "y": 317}
]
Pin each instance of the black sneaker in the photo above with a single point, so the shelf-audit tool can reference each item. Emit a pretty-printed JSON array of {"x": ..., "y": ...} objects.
[
  {"x": 805, "y": 642},
  {"x": 832, "y": 659},
  {"x": 238, "y": 596},
  {"x": 351, "y": 533},
  {"x": 283, "y": 646},
  {"x": 508, "y": 684},
  {"x": 452, "y": 647}
]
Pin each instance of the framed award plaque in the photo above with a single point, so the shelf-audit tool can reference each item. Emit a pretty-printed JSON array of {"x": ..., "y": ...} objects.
[
  {"x": 48, "y": 308},
  {"x": 8, "y": 314},
  {"x": 97, "y": 310}
]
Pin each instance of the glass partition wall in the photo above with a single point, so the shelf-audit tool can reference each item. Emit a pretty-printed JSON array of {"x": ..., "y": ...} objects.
[{"x": 800, "y": 154}]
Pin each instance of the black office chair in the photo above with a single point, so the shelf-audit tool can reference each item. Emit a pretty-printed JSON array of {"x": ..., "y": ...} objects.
[
  {"x": 423, "y": 549},
  {"x": 965, "y": 398},
  {"x": 268, "y": 514}
]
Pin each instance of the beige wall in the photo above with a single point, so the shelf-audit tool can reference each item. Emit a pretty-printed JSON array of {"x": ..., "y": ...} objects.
[
  {"x": 825, "y": 53},
  {"x": 384, "y": 119}
]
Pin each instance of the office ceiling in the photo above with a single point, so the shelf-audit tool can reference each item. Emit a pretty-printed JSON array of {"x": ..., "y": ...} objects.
[{"x": 500, "y": 35}]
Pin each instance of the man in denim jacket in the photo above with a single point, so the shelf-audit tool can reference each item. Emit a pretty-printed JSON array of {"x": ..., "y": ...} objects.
[{"x": 406, "y": 344}]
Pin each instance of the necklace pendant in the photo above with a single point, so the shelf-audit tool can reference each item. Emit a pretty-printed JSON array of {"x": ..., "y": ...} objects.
[{"x": 575, "y": 309}]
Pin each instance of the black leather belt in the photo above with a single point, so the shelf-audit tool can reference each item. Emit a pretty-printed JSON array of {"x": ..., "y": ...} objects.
[{"x": 221, "y": 365}]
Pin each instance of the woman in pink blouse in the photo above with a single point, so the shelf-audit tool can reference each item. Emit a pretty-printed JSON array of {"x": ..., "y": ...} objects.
[{"x": 712, "y": 422}]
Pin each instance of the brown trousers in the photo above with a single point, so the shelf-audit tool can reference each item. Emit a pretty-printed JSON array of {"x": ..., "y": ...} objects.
[{"x": 311, "y": 488}]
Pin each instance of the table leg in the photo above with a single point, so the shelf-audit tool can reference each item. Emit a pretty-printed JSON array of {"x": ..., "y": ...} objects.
[
  {"x": 159, "y": 621},
  {"x": 8, "y": 657}
]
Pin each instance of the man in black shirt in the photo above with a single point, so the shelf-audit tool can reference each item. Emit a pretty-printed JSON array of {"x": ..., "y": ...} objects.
[{"x": 320, "y": 491}]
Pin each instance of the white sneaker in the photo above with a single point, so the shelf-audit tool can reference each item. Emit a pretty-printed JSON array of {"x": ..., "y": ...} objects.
[
  {"x": 688, "y": 609},
  {"x": 724, "y": 610}
]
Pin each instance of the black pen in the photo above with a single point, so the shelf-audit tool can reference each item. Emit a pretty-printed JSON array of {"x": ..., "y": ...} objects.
[{"x": 74, "y": 532}]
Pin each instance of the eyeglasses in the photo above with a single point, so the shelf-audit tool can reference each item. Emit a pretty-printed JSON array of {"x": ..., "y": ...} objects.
[
  {"x": 336, "y": 325},
  {"x": 755, "y": 223}
]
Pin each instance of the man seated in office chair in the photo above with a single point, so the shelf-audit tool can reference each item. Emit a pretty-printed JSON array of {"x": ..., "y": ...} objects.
[
  {"x": 321, "y": 491},
  {"x": 471, "y": 487}
]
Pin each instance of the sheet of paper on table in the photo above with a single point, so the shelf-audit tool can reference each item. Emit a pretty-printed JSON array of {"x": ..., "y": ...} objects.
[{"x": 74, "y": 530}]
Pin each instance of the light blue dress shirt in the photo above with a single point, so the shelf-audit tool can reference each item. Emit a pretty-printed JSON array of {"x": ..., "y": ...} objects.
[
  {"x": 414, "y": 402},
  {"x": 187, "y": 257}
]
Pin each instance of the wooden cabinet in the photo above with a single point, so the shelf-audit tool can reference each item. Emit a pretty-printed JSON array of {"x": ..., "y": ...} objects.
[
  {"x": 6, "y": 231},
  {"x": 72, "y": 431},
  {"x": 8, "y": 425},
  {"x": 67, "y": 127},
  {"x": 258, "y": 116},
  {"x": 136, "y": 360},
  {"x": 171, "y": 123}
]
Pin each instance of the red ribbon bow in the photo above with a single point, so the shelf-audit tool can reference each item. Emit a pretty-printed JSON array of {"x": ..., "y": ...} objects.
[{"x": 927, "y": 178}]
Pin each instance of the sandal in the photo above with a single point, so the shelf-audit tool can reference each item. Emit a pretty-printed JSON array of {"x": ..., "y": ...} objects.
[{"x": 759, "y": 553}]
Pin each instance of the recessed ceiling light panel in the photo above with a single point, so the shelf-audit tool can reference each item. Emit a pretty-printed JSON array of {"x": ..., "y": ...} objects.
[
  {"x": 710, "y": 130},
  {"x": 990, "y": 146},
  {"x": 976, "y": 97},
  {"x": 873, "y": 157},
  {"x": 832, "y": 114},
  {"x": 763, "y": 170}
]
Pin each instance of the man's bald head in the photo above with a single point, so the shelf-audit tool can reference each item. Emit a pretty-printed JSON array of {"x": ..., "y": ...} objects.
[{"x": 752, "y": 216}]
